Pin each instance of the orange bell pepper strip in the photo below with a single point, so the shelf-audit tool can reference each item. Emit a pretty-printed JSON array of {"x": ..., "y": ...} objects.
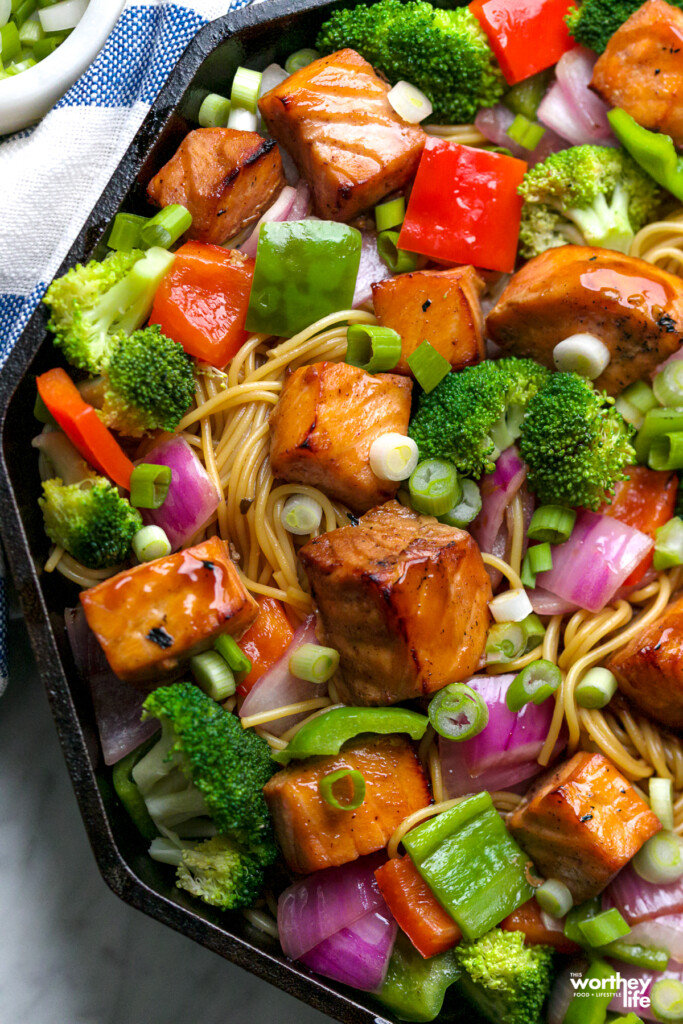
[
  {"x": 528, "y": 919},
  {"x": 645, "y": 501},
  {"x": 416, "y": 909},
  {"x": 265, "y": 641},
  {"x": 83, "y": 427},
  {"x": 202, "y": 301}
]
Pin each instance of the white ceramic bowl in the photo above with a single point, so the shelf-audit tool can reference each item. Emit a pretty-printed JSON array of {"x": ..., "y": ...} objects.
[{"x": 25, "y": 98}]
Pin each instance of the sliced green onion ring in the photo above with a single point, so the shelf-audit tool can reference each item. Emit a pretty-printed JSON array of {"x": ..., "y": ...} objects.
[
  {"x": 166, "y": 227},
  {"x": 151, "y": 543},
  {"x": 300, "y": 59},
  {"x": 526, "y": 575},
  {"x": 410, "y": 103},
  {"x": 390, "y": 214},
  {"x": 245, "y": 89},
  {"x": 398, "y": 260},
  {"x": 213, "y": 675},
  {"x": 428, "y": 366},
  {"x": 533, "y": 685},
  {"x": 641, "y": 396},
  {"x": 511, "y": 606},
  {"x": 662, "y": 801},
  {"x": 657, "y": 422},
  {"x": 458, "y": 712},
  {"x": 669, "y": 545},
  {"x": 393, "y": 456},
  {"x": 214, "y": 111},
  {"x": 540, "y": 557},
  {"x": 301, "y": 514},
  {"x": 583, "y": 354},
  {"x": 434, "y": 487},
  {"x": 666, "y": 999},
  {"x": 372, "y": 348},
  {"x": 525, "y": 133},
  {"x": 668, "y": 385},
  {"x": 666, "y": 452},
  {"x": 507, "y": 641},
  {"x": 552, "y": 523},
  {"x": 125, "y": 232},
  {"x": 231, "y": 652},
  {"x": 605, "y": 927},
  {"x": 327, "y": 783},
  {"x": 149, "y": 485},
  {"x": 660, "y": 859},
  {"x": 467, "y": 509},
  {"x": 314, "y": 663},
  {"x": 629, "y": 412},
  {"x": 554, "y": 897},
  {"x": 596, "y": 689}
]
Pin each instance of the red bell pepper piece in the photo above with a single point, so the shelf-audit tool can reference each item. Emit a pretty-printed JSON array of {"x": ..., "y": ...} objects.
[
  {"x": 645, "y": 501},
  {"x": 202, "y": 301},
  {"x": 525, "y": 35},
  {"x": 529, "y": 920},
  {"x": 416, "y": 909},
  {"x": 464, "y": 206},
  {"x": 83, "y": 427},
  {"x": 265, "y": 641}
]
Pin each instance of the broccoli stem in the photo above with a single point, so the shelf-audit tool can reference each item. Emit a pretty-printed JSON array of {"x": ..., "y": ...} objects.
[{"x": 605, "y": 224}]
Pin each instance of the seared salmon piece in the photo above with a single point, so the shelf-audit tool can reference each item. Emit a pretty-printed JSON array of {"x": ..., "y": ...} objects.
[
  {"x": 581, "y": 823},
  {"x": 641, "y": 70},
  {"x": 323, "y": 426},
  {"x": 225, "y": 178},
  {"x": 635, "y": 308},
  {"x": 151, "y": 618},
  {"x": 313, "y": 835},
  {"x": 650, "y": 667},
  {"x": 404, "y": 599},
  {"x": 348, "y": 142},
  {"x": 438, "y": 306}
]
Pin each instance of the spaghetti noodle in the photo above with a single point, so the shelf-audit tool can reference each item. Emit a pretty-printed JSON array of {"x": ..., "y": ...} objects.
[{"x": 661, "y": 243}]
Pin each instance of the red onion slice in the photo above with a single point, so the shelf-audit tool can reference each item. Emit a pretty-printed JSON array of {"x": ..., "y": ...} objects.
[
  {"x": 497, "y": 491},
  {"x": 574, "y": 72},
  {"x": 371, "y": 270},
  {"x": 494, "y": 122},
  {"x": 275, "y": 213},
  {"x": 358, "y": 955},
  {"x": 192, "y": 496},
  {"x": 638, "y": 900}
]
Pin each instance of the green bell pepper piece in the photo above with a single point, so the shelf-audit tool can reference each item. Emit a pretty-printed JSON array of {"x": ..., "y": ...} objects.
[
  {"x": 576, "y": 916},
  {"x": 128, "y": 792},
  {"x": 472, "y": 864},
  {"x": 304, "y": 271},
  {"x": 649, "y": 957},
  {"x": 327, "y": 733},
  {"x": 589, "y": 1005},
  {"x": 414, "y": 988},
  {"x": 654, "y": 151}
]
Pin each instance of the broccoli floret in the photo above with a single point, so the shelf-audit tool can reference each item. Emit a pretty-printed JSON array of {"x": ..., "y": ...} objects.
[
  {"x": 575, "y": 443},
  {"x": 148, "y": 383},
  {"x": 219, "y": 872},
  {"x": 90, "y": 520},
  {"x": 506, "y": 980},
  {"x": 91, "y": 304},
  {"x": 594, "y": 195},
  {"x": 206, "y": 765},
  {"x": 593, "y": 22},
  {"x": 446, "y": 54},
  {"x": 474, "y": 415}
]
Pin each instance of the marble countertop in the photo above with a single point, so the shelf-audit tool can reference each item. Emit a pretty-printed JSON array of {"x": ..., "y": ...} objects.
[{"x": 71, "y": 952}]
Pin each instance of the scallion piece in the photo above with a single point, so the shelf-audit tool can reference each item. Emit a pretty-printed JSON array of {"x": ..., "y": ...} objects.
[
  {"x": 660, "y": 859},
  {"x": 410, "y": 103},
  {"x": 527, "y": 576},
  {"x": 300, "y": 59},
  {"x": 467, "y": 509},
  {"x": 525, "y": 133},
  {"x": 328, "y": 782},
  {"x": 662, "y": 801},
  {"x": 166, "y": 227},
  {"x": 214, "y": 111},
  {"x": 657, "y": 422},
  {"x": 605, "y": 927},
  {"x": 393, "y": 456},
  {"x": 540, "y": 557},
  {"x": 666, "y": 452},
  {"x": 428, "y": 366},
  {"x": 5, "y": 11},
  {"x": 534, "y": 631},
  {"x": 63, "y": 16},
  {"x": 213, "y": 675},
  {"x": 24, "y": 12},
  {"x": 590, "y": 1006},
  {"x": 44, "y": 47},
  {"x": 458, "y": 712},
  {"x": 583, "y": 354},
  {"x": 245, "y": 89},
  {"x": 533, "y": 685},
  {"x": 398, "y": 260},
  {"x": 434, "y": 487},
  {"x": 668, "y": 385},
  {"x": 372, "y": 348},
  {"x": 390, "y": 214},
  {"x": 229, "y": 649},
  {"x": 554, "y": 897},
  {"x": 151, "y": 543},
  {"x": 149, "y": 485},
  {"x": 19, "y": 66},
  {"x": 30, "y": 33},
  {"x": 125, "y": 232},
  {"x": 629, "y": 412},
  {"x": 10, "y": 44},
  {"x": 301, "y": 515},
  {"x": 507, "y": 641},
  {"x": 511, "y": 606},
  {"x": 641, "y": 396},
  {"x": 552, "y": 523},
  {"x": 596, "y": 689},
  {"x": 314, "y": 663},
  {"x": 666, "y": 999},
  {"x": 669, "y": 545},
  {"x": 242, "y": 120}
]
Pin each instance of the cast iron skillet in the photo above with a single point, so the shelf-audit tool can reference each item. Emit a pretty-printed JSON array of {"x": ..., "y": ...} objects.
[{"x": 257, "y": 35}]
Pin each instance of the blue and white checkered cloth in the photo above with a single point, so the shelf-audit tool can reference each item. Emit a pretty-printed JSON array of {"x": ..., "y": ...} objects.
[{"x": 52, "y": 174}]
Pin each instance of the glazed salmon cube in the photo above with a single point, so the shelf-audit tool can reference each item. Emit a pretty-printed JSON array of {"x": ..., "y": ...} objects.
[
  {"x": 582, "y": 823},
  {"x": 151, "y": 618},
  {"x": 313, "y": 835},
  {"x": 404, "y": 599},
  {"x": 348, "y": 142},
  {"x": 226, "y": 179},
  {"x": 650, "y": 667},
  {"x": 438, "y": 306},
  {"x": 324, "y": 424}
]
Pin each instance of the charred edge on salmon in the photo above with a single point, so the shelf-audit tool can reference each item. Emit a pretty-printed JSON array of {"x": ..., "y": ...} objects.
[{"x": 159, "y": 636}]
